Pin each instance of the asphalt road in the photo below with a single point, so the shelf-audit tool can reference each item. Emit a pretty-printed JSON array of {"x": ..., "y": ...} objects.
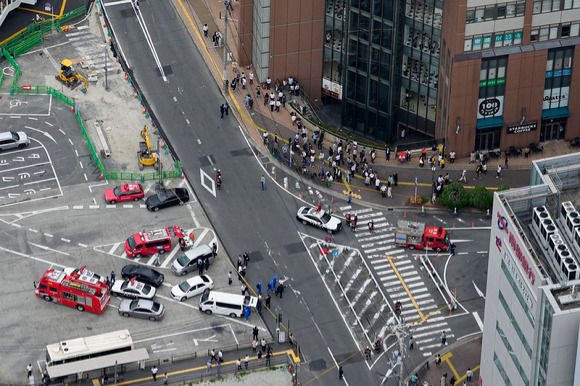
[{"x": 247, "y": 219}]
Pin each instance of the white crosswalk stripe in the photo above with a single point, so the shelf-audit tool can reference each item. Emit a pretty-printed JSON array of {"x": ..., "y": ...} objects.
[
  {"x": 377, "y": 246},
  {"x": 92, "y": 52}
]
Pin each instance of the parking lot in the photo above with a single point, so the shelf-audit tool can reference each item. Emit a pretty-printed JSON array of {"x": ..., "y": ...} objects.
[
  {"x": 57, "y": 155},
  {"x": 53, "y": 214}
]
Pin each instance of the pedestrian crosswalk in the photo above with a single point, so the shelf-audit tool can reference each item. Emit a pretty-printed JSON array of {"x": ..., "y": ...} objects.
[
  {"x": 94, "y": 54},
  {"x": 399, "y": 274}
]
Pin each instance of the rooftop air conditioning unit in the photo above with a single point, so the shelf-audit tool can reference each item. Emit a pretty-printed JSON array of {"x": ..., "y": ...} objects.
[
  {"x": 540, "y": 213},
  {"x": 555, "y": 242},
  {"x": 570, "y": 269},
  {"x": 567, "y": 207},
  {"x": 548, "y": 228},
  {"x": 562, "y": 253},
  {"x": 572, "y": 223}
]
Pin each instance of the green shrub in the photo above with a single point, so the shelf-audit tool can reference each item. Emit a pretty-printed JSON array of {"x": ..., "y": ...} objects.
[
  {"x": 480, "y": 198},
  {"x": 454, "y": 196},
  {"x": 503, "y": 187}
]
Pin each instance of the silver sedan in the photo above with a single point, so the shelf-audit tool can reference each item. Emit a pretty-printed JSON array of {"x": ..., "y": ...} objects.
[{"x": 143, "y": 309}]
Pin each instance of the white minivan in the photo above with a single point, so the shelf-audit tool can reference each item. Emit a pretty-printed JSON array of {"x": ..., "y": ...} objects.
[{"x": 223, "y": 303}]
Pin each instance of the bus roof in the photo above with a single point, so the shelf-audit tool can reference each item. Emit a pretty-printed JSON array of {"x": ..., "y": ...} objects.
[
  {"x": 98, "y": 363},
  {"x": 72, "y": 348}
]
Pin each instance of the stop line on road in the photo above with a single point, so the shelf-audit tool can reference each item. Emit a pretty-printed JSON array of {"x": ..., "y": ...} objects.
[{"x": 395, "y": 270}]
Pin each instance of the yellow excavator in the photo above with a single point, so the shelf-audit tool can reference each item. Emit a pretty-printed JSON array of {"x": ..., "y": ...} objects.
[
  {"x": 69, "y": 76},
  {"x": 146, "y": 156}
]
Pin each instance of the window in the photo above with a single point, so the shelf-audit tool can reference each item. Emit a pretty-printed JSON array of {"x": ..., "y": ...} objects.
[
  {"x": 520, "y": 8},
  {"x": 510, "y": 10},
  {"x": 501, "y": 370},
  {"x": 470, "y": 17},
  {"x": 515, "y": 324},
  {"x": 512, "y": 354},
  {"x": 501, "y": 11},
  {"x": 537, "y": 7},
  {"x": 489, "y": 11},
  {"x": 517, "y": 293}
]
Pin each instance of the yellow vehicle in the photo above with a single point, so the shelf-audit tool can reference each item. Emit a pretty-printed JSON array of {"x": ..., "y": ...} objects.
[
  {"x": 69, "y": 76},
  {"x": 146, "y": 156}
]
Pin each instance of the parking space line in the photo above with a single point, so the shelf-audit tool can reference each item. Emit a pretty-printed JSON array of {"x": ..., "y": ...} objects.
[
  {"x": 61, "y": 130},
  {"x": 71, "y": 142},
  {"x": 37, "y": 182},
  {"x": 168, "y": 258},
  {"x": 48, "y": 235},
  {"x": 65, "y": 240},
  {"x": 93, "y": 206},
  {"x": 9, "y": 187},
  {"x": 82, "y": 245},
  {"x": 78, "y": 206},
  {"x": 33, "y": 230},
  {"x": 113, "y": 248}
]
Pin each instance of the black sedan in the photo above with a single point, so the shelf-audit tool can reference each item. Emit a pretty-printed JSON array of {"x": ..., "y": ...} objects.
[
  {"x": 143, "y": 274},
  {"x": 167, "y": 198}
]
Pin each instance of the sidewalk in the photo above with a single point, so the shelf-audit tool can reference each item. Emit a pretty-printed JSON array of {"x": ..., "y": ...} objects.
[
  {"x": 455, "y": 360},
  {"x": 261, "y": 119}
]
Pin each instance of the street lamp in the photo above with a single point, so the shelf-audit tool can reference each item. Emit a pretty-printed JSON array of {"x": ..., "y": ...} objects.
[{"x": 226, "y": 4}]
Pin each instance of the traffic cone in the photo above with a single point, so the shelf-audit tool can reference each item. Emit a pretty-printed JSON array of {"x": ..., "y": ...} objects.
[
  {"x": 437, "y": 254},
  {"x": 405, "y": 214},
  {"x": 72, "y": 109},
  {"x": 104, "y": 25},
  {"x": 144, "y": 111},
  {"x": 266, "y": 166},
  {"x": 301, "y": 195},
  {"x": 334, "y": 210},
  {"x": 473, "y": 225},
  {"x": 182, "y": 175},
  {"x": 332, "y": 199},
  {"x": 454, "y": 225},
  {"x": 275, "y": 176},
  {"x": 101, "y": 176}
]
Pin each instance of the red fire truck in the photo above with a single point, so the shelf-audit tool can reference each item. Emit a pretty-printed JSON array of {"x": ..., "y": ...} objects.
[
  {"x": 415, "y": 235},
  {"x": 151, "y": 242},
  {"x": 78, "y": 288}
]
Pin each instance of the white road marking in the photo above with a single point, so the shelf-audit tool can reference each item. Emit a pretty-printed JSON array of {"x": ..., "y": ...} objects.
[
  {"x": 112, "y": 250},
  {"x": 48, "y": 249},
  {"x": 478, "y": 320},
  {"x": 83, "y": 245}
]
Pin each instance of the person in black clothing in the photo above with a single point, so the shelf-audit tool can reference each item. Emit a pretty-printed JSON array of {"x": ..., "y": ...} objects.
[
  {"x": 340, "y": 372},
  {"x": 279, "y": 290}
]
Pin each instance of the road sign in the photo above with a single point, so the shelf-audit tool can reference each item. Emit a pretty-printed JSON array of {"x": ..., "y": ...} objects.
[
  {"x": 47, "y": 7},
  {"x": 335, "y": 253},
  {"x": 27, "y": 87}
]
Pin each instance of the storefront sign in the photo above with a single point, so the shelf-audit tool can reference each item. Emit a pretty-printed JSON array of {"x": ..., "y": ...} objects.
[
  {"x": 332, "y": 88},
  {"x": 517, "y": 129},
  {"x": 502, "y": 224},
  {"x": 490, "y": 107},
  {"x": 555, "y": 97}
]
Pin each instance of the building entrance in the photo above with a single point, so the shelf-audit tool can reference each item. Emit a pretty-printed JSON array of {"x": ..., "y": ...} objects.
[
  {"x": 553, "y": 129},
  {"x": 487, "y": 139}
]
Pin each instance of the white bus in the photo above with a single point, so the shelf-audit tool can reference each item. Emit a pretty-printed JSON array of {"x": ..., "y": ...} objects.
[
  {"x": 223, "y": 303},
  {"x": 90, "y": 347}
]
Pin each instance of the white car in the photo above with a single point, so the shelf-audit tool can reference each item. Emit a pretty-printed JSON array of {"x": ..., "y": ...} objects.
[
  {"x": 133, "y": 289},
  {"x": 191, "y": 287},
  {"x": 319, "y": 218}
]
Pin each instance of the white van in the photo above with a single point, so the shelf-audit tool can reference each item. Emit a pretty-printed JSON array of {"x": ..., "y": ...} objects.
[{"x": 223, "y": 303}]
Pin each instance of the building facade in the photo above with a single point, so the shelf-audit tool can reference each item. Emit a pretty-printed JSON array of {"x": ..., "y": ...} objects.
[
  {"x": 532, "y": 310},
  {"x": 509, "y": 74},
  {"x": 472, "y": 74}
]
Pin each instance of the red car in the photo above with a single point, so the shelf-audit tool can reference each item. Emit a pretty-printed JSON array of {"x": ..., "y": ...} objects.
[{"x": 125, "y": 192}]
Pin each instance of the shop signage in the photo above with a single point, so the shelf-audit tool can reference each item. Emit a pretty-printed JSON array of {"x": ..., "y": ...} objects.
[
  {"x": 502, "y": 224},
  {"x": 517, "y": 129},
  {"x": 331, "y": 88},
  {"x": 555, "y": 97},
  {"x": 490, "y": 107}
]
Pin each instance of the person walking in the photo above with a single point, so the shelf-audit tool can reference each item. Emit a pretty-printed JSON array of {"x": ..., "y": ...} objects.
[
  {"x": 263, "y": 182},
  {"x": 113, "y": 276},
  {"x": 268, "y": 300},
  {"x": 498, "y": 171},
  {"x": 254, "y": 345},
  {"x": 263, "y": 344},
  {"x": 244, "y": 289},
  {"x": 390, "y": 192},
  {"x": 208, "y": 364},
  {"x": 268, "y": 356},
  {"x": 437, "y": 360},
  {"x": 230, "y": 278},
  {"x": 212, "y": 356},
  {"x": 255, "y": 333},
  {"x": 220, "y": 356},
  {"x": 340, "y": 373},
  {"x": 259, "y": 287},
  {"x": 247, "y": 361},
  {"x": 165, "y": 378},
  {"x": 469, "y": 374},
  {"x": 154, "y": 371},
  {"x": 222, "y": 110},
  {"x": 29, "y": 370},
  {"x": 371, "y": 226},
  {"x": 411, "y": 342},
  {"x": 443, "y": 338},
  {"x": 463, "y": 177},
  {"x": 239, "y": 364}
]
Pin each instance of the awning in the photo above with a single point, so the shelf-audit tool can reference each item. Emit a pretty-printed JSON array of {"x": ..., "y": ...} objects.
[
  {"x": 561, "y": 112},
  {"x": 486, "y": 123}
]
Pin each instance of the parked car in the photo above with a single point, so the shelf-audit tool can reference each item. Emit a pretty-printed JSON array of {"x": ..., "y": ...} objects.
[
  {"x": 144, "y": 274},
  {"x": 13, "y": 139},
  {"x": 187, "y": 262},
  {"x": 319, "y": 218},
  {"x": 133, "y": 289},
  {"x": 142, "y": 309},
  {"x": 125, "y": 192},
  {"x": 191, "y": 287},
  {"x": 166, "y": 198}
]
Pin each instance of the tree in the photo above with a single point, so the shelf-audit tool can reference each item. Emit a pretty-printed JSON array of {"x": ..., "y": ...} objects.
[
  {"x": 480, "y": 198},
  {"x": 454, "y": 196}
]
